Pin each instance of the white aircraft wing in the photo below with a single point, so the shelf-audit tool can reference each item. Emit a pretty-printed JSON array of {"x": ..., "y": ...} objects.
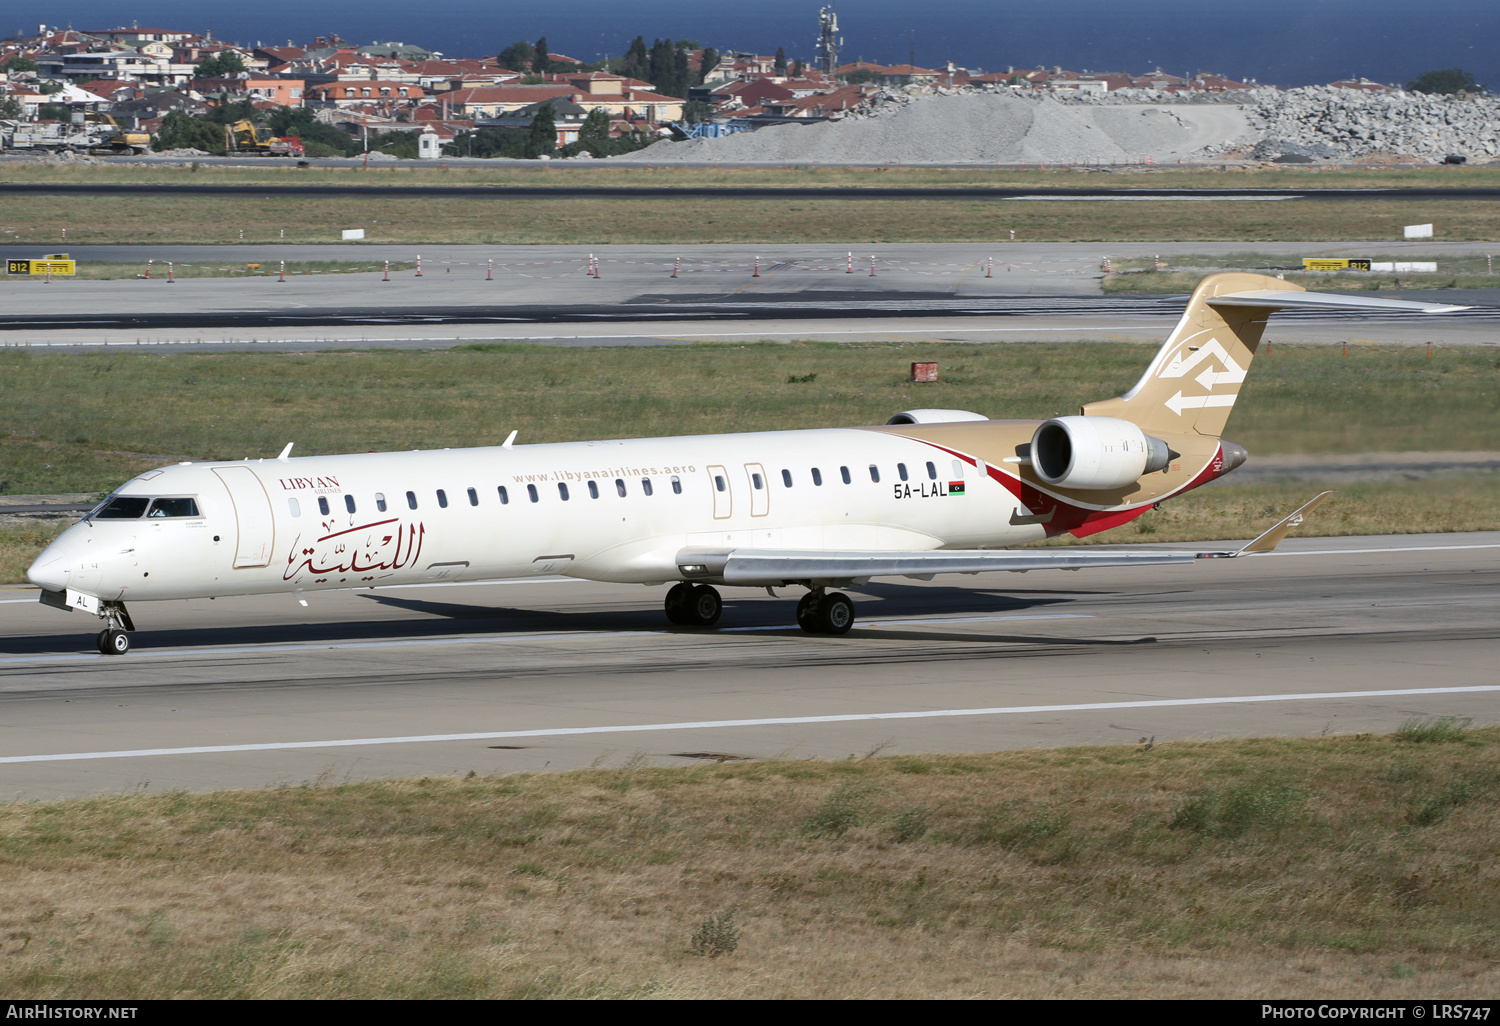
[
  {"x": 759, "y": 567},
  {"x": 1275, "y": 299}
]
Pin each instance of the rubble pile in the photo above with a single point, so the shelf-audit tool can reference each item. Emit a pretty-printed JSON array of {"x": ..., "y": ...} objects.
[{"x": 1342, "y": 124}]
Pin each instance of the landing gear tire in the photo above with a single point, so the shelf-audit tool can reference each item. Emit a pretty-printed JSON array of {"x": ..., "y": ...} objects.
[
  {"x": 114, "y": 642},
  {"x": 705, "y": 606},
  {"x": 835, "y": 614},
  {"x": 678, "y": 604},
  {"x": 807, "y": 612},
  {"x": 101, "y": 641}
]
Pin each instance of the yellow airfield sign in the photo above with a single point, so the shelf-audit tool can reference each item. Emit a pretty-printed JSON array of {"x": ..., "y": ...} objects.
[
  {"x": 54, "y": 263},
  {"x": 1350, "y": 264}
]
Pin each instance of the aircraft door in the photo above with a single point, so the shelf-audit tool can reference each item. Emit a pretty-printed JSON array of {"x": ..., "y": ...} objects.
[
  {"x": 760, "y": 489},
  {"x": 718, "y": 483},
  {"x": 252, "y": 514}
]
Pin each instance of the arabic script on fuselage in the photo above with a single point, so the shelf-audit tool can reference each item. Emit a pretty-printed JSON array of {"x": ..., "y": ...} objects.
[{"x": 384, "y": 545}]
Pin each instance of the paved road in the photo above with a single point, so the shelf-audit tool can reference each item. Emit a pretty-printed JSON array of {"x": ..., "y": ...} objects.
[{"x": 1342, "y": 635}]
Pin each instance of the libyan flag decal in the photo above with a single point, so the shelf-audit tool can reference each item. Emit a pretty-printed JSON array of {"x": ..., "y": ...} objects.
[{"x": 955, "y": 487}]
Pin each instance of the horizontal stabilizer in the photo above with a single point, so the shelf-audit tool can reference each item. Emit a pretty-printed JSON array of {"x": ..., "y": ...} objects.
[{"x": 1277, "y": 299}]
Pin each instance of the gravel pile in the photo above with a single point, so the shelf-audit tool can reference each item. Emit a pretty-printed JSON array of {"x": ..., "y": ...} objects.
[
  {"x": 1123, "y": 126},
  {"x": 982, "y": 127}
]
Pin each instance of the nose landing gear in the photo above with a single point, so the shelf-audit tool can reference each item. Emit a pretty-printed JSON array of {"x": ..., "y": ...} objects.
[
  {"x": 114, "y": 640},
  {"x": 819, "y": 613}
]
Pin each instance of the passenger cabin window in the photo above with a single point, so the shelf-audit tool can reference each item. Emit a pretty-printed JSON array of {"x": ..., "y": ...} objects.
[
  {"x": 531, "y": 492},
  {"x": 676, "y": 485},
  {"x": 504, "y": 496},
  {"x": 817, "y": 476},
  {"x": 593, "y": 490},
  {"x": 380, "y": 501},
  {"x": 473, "y": 497},
  {"x": 757, "y": 482},
  {"x": 844, "y": 473},
  {"x": 562, "y": 491},
  {"x": 719, "y": 484},
  {"x": 874, "y": 473},
  {"x": 901, "y": 471},
  {"x": 620, "y": 487},
  {"x": 931, "y": 471},
  {"x": 173, "y": 508},
  {"x": 411, "y": 500},
  {"x": 349, "y": 503},
  {"x": 786, "y": 478},
  {"x": 958, "y": 468},
  {"x": 296, "y": 507},
  {"x": 442, "y": 499},
  {"x": 646, "y": 485},
  {"x": 323, "y": 505}
]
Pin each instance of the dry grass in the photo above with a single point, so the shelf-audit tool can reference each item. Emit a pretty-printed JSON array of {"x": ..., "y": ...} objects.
[
  {"x": 501, "y": 173},
  {"x": 37, "y": 221},
  {"x": 1345, "y": 867}
]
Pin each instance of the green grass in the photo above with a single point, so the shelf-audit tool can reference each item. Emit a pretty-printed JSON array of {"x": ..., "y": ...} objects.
[
  {"x": 84, "y": 422},
  {"x": 1331, "y": 867},
  {"x": 36, "y": 223}
]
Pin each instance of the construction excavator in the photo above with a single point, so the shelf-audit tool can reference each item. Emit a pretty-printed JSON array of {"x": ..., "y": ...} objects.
[{"x": 246, "y": 138}]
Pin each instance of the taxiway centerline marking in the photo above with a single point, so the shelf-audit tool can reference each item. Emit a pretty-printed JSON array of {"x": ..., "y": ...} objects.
[{"x": 780, "y": 721}]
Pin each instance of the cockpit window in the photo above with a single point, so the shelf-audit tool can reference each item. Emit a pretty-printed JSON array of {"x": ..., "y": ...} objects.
[
  {"x": 123, "y": 507},
  {"x": 173, "y": 508}
]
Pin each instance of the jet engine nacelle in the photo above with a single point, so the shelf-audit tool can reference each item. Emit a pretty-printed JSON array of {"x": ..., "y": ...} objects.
[
  {"x": 1095, "y": 452},
  {"x": 934, "y": 416}
]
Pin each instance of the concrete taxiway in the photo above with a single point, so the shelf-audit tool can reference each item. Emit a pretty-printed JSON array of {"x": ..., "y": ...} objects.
[{"x": 1329, "y": 635}]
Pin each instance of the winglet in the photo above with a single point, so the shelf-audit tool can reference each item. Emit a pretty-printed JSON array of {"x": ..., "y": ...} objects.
[
  {"x": 1272, "y": 538},
  {"x": 286, "y": 452},
  {"x": 510, "y": 439}
]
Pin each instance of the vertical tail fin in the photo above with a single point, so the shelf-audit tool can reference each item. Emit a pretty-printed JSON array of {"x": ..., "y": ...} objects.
[{"x": 1192, "y": 383}]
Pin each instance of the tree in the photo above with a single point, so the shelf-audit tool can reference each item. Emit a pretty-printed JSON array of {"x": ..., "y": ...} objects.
[
  {"x": 1447, "y": 81},
  {"x": 636, "y": 63},
  {"x": 21, "y": 63},
  {"x": 696, "y": 111},
  {"x": 542, "y": 141},
  {"x": 517, "y": 56},
  {"x": 182, "y": 131},
  {"x": 594, "y": 135},
  {"x": 55, "y": 112},
  {"x": 780, "y": 64},
  {"x": 228, "y": 113},
  {"x": 221, "y": 65},
  {"x": 797, "y": 68},
  {"x": 12, "y": 109},
  {"x": 707, "y": 63},
  {"x": 540, "y": 62}
]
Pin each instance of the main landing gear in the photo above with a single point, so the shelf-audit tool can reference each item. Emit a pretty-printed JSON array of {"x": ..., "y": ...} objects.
[
  {"x": 694, "y": 605},
  {"x": 114, "y": 640},
  {"x": 698, "y": 605},
  {"x": 820, "y": 613}
]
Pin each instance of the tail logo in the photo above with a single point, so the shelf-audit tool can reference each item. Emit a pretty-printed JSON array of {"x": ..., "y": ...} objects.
[{"x": 1231, "y": 374}]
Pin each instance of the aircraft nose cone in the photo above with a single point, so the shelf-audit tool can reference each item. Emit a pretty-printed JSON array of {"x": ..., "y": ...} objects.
[{"x": 50, "y": 571}]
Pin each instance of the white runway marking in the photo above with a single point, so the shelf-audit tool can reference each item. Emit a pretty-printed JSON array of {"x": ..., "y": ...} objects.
[
  {"x": 492, "y": 639},
  {"x": 631, "y": 728}
]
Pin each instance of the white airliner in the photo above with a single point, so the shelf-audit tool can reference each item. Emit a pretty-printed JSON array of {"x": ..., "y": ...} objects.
[{"x": 932, "y": 491}]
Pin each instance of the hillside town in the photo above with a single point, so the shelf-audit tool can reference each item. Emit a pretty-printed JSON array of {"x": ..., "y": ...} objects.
[{"x": 173, "y": 90}]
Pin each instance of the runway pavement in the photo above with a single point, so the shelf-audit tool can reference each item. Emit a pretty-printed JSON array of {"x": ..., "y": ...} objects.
[
  {"x": 646, "y": 295},
  {"x": 1331, "y": 635}
]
